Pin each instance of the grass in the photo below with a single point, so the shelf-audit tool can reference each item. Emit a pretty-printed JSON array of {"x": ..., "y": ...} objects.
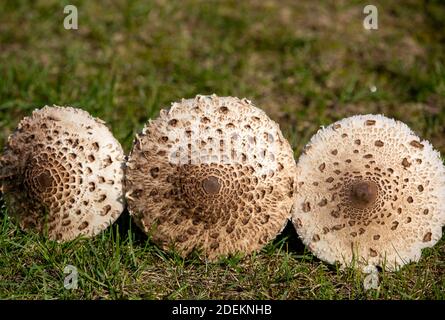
[{"x": 306, "y": 63}]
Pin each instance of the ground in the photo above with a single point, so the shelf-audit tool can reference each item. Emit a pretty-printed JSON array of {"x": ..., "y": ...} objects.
[{"x": 306, "y": 63}]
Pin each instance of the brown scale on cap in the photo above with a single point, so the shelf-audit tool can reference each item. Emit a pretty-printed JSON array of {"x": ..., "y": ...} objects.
[
  {"x": 363, "y": 194},
  {"x": 211, "y": 173},
  {"x": 377, "y": 198},
  {"x": 45, "y": 179},
  {"x": 211, "y": 185}
]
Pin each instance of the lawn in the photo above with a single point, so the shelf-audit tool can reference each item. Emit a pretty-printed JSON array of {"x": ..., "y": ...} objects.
[{"x": 306, "y": 63}]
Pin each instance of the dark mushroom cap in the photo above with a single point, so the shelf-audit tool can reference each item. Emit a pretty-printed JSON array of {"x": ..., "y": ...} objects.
[
  {"x": 62, "y": 172},
  {"x": 369, "y": 191},
  {"x": 212, "y": 173}
]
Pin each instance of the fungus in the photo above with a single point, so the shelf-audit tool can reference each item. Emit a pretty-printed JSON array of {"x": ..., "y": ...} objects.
[
  {"x": 382, "y": 193},
  {"x": 55, "y": 175},
  {"x": 211, "y": 173}
]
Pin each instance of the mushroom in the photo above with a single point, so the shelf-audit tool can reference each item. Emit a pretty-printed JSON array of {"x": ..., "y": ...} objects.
[
  {"x": 370, "y": 192},
  {"x": 211, "y": 173},
  {"x": 62, "y": 173}
]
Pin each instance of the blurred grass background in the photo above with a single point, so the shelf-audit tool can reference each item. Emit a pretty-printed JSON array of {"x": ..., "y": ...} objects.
[{"x": 306, "y": 63}]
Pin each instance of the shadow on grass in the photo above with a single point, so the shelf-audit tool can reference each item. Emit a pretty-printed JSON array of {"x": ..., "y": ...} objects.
[
  {"x": 127, "y": 227},
  {"x": 291, "y": 242}
]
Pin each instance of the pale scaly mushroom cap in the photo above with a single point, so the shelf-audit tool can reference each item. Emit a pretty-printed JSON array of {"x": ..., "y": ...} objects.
[
  {"x": 62, "y": 173},
  {"x": 370, "y": 192},
  {"x": 212, "y": 173}
]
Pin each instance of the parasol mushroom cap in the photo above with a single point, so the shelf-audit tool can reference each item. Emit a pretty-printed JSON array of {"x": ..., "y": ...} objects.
[
  {"x": 370, "y": 192},
  {"x": 211, "y": 173},
  {"x": 62, "y": 173}
]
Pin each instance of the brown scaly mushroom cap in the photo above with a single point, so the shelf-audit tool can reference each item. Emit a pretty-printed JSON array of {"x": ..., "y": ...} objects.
[
  {"x": 213, "y": 173},
  {"x": 62, "y": 171},
  {"x": 369, "y": 191}
]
